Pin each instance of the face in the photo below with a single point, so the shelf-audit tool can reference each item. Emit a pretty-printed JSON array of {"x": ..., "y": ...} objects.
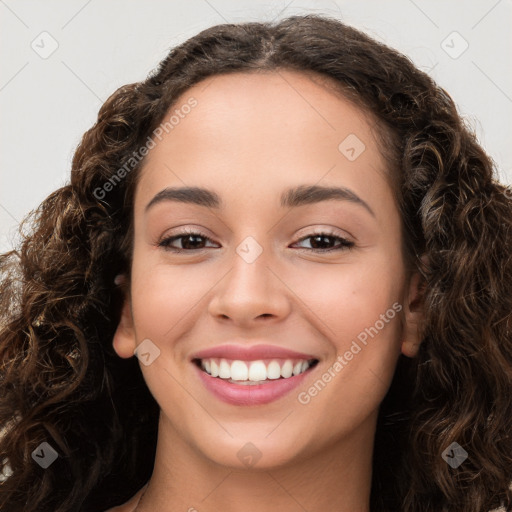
[{"x": 303, "y": 288}]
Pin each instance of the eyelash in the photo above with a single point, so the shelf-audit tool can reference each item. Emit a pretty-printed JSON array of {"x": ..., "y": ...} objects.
[{"x": 343, "y": 246}]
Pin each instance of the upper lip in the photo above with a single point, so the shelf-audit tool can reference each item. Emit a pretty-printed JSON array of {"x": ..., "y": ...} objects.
[{"x": 250, "y": 353}]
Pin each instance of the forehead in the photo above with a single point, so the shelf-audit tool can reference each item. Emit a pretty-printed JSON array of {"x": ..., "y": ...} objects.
[
  {"x": 261, "y": 130},
  {"x": 288, "y": 102}
]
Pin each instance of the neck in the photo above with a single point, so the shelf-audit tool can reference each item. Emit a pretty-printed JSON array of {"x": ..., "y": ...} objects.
[{"x": 337, "y": 478}]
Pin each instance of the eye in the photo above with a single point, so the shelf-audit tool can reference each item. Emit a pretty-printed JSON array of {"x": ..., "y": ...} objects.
[
  {"x": 322, "y": 238},
  {"x": 190, "y": 241}
]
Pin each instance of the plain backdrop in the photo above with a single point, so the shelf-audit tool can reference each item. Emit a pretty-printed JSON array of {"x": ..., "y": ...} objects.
[{"x": 61, "y": 59}]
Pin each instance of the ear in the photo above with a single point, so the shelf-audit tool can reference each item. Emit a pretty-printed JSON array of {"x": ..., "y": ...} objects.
[
  {"x": 124, "y": 341},
  {"x": 414, "y": 314}
]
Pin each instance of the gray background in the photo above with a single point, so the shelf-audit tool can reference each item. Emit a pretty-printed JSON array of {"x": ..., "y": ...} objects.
[{"x": 48, "y": 100}]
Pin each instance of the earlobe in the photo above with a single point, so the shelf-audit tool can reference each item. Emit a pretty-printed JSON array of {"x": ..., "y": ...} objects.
[
  {"x": 124, "y": 341},
  {"x": 414, "y": 315}
]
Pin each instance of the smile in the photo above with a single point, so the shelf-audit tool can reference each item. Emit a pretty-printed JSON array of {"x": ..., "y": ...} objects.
[
  {"x": 254, "y": 372},
  {"x": 257, "y": 382}
]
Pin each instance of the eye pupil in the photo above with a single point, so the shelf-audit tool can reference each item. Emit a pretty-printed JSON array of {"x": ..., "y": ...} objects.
[
  {"x": 319, "y": 238},
  {"x": 188, "y": 237}
]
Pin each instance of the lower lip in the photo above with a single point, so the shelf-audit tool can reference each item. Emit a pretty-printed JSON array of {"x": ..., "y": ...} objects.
[{"x": 239, "y": 394}]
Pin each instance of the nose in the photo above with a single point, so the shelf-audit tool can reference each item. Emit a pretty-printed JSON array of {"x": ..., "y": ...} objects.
[{"x": 251, "y": 293}]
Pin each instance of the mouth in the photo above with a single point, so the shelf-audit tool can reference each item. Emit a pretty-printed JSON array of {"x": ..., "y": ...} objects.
[
  {"x": 256, "y": 382},
  {"x": 247, "y": 373}
]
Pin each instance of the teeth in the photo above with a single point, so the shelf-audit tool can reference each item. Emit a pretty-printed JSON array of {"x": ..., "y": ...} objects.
[
  {"x": 257, "y": 371},
  {"x": 297, "y": 368},
  {"x": 239, "y": 371},
  {"x": 254, "y": 371},
  {"x": 224, "y": 369},
  {"x": 287, "y": 369},
  {"x": 273, "y": 370}
]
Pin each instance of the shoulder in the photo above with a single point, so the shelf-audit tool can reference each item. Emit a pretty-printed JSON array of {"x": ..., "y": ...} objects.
[{"x": 130, "y": 505}]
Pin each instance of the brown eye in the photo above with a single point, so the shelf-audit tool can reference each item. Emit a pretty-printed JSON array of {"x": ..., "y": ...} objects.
[
  {"x": 319, "y": 241},
  {"x": 190, "y": 241}
]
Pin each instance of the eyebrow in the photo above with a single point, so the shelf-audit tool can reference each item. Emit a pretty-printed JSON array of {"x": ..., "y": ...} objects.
[{"x": 290, "y": 198}]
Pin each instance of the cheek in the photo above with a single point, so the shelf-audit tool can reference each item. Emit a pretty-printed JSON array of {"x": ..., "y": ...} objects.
[
  {"x": 163, "y": 295},
  {"x": 358, "y": 309},
  {"x": 342, "y": 300}
]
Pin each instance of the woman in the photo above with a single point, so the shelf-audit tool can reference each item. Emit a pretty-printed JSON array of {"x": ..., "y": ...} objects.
[{"x": 308, "y": 253}]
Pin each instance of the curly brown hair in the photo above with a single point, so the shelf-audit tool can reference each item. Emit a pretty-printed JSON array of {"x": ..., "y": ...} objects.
[{"x": 62, "y": 382}]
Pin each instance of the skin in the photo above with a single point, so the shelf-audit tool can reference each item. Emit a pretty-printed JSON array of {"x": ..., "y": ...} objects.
[{"x": 250, "y": 137}]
